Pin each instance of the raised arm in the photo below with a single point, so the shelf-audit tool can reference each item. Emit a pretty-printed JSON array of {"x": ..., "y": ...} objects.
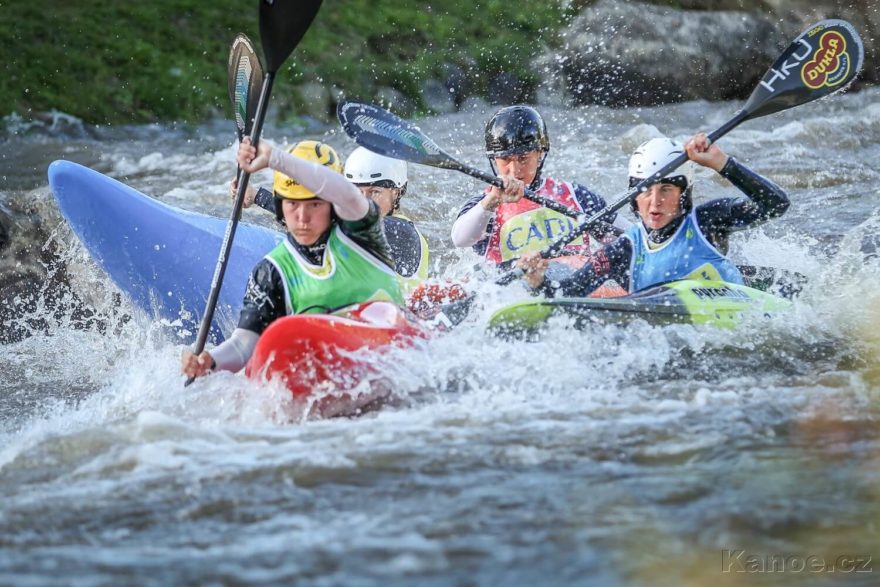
[
  {"x": 322, "y": 181},
  {"x": 763, "y": 199}
]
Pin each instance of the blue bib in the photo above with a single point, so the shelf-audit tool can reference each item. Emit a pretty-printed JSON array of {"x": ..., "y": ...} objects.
[{"x": 687, "y": 254}]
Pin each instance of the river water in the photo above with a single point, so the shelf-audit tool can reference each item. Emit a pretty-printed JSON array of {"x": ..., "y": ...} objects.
[{"x": 633, "y": 455}]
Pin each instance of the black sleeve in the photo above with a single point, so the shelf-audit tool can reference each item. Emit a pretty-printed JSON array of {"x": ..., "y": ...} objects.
[
  {"x": 591, "y": 203},
  {"x": 481, "y": 245},
  {"x": 265, "y": 200},
  {"x": 612, "y": 261},
  {"x": 369, "y": 232},
  {"x": 405, "y": 244},
  {"x": 763, "y": 200},
  {"x": 264, "y": 298}
]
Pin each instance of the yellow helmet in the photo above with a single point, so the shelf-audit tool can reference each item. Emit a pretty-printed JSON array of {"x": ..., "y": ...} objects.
[{"x": 314, "y": 151}]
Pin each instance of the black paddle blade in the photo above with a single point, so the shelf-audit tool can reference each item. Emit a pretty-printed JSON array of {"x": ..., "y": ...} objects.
[
  {"x": 382, "y": 132},
  {"x": 245, "y": 81},
  {"x": 282, "y": 25},
  {"x": 824, "y": 59}
]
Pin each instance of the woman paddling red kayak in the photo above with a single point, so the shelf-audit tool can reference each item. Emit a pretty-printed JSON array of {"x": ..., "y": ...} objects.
[{"x": 335, "y": 255}]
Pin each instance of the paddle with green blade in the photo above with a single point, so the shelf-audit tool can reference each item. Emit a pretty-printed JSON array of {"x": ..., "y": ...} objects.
[
  {"x": 282, "y": 26},
  {"x": 822, "y": 60},
  {"x": 384, "y": 133},
  {"x": 245, "y": 80}
]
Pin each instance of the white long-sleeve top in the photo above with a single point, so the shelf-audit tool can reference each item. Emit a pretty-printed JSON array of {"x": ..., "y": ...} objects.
[
  {"x": 470, "y": 228},
  {"x": 325, "y": 183}
]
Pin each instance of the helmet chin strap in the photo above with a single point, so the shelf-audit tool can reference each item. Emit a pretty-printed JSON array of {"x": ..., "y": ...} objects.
[
  {"x": 400, "y": 193},
  {"x": 686, "y": 200},
  {"x": 537, "y": 181}
]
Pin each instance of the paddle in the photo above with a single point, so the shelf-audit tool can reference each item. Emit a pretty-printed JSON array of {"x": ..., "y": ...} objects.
[
  {"x": 382, "y": 132},
  {"x": 245, "y": 79},
  {"x": 782, "y": 282},
  {"x": 824, "y": 59},
  {"x": 282, "y": 25},
  {"x": 245, "y": 75}
]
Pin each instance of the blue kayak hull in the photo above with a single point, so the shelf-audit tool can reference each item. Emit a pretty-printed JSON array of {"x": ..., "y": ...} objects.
[{"x": 161, "y": 257}]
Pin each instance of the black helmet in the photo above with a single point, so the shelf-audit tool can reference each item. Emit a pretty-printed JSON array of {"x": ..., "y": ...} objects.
[{"x": 516, "y": 129}]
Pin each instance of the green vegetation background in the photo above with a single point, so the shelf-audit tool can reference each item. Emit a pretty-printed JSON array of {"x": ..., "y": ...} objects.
[{"x": 135, "y": 62}]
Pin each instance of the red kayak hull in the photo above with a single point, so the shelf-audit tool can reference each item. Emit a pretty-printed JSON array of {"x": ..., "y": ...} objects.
[{"x": 312, "y": 352}]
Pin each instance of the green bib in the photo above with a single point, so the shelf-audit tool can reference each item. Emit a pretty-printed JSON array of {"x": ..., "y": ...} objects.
[{"x": 349, "y": 275}]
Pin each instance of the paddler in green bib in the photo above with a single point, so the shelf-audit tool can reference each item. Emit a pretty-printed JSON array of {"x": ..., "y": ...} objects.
[
  {"x": 385, "y": 181},
  {"x": 335, "y": 254}
]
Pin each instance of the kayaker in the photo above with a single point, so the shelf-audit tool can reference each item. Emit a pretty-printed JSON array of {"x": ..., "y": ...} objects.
[
  {"x": 674, "y": 239},
  {"x": 334, "y": 256},
  {"x": 501, "y": 224},
  {"x": 384, "y": 180}
]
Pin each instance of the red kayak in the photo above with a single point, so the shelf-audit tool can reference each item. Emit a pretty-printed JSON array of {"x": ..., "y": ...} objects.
[{"x": 324, "y": 352}]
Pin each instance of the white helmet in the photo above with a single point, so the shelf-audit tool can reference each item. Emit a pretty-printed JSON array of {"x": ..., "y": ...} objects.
[
  {"x": 364, "y": 167},
  {"x": 650, "y": 156}
]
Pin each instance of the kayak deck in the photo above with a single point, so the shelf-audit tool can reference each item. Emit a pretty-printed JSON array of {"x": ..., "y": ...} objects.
[
  {"x": 680, "y": 302},
  {"x": 311, "y": 353}
]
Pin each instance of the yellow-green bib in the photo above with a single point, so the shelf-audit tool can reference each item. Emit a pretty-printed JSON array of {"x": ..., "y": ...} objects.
[{"x": 349, "y": 275}]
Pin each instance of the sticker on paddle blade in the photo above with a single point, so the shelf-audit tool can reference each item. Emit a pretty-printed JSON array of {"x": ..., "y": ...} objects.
[
  {"x": 824, "y": 59},
  {"x": 245, "y": 80},
  {"x": 382, "y": 132}
]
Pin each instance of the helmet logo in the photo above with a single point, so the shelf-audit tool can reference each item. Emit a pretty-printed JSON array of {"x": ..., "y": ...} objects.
[{"x": 331, "y": 157}]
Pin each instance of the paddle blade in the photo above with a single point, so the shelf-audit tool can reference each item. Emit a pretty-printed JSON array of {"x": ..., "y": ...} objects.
[
  {"x": 386, "y": 134},
  {"x": 282, "y": 25},
  {"x": 245, "y": 81},
  {"x": 824, "y": 59}
]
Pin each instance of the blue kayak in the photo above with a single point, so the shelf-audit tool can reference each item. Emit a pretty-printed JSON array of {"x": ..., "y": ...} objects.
[{"x": 161, "y": 257}]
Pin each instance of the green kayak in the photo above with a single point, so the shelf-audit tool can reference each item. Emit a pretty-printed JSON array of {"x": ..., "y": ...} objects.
[{"x": 689, "y": 301}]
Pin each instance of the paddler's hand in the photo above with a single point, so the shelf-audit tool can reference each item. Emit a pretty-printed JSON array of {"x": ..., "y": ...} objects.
[
  {"x": 196, "y": 366},
  {"x": 250, "y": 193},
  {"x": 513, "y": 192},
  {"x": 534, "y": 267},
  {"x": 253, "y": 159},
  {"x": 702, "y": 152}
]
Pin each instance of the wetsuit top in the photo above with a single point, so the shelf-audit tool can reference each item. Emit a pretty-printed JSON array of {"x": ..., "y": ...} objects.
[
  {"x": 348, "y": 265},
  {"x": 521, "y": 227},
  {"x": 714, "y": 221},
  {"x": 408, "y": 248}
]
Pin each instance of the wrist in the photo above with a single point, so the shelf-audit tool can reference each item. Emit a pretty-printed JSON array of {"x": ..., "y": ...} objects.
[
  {"x": 535, "y": 282},
  {"x": 728, "y": 165},
  {"x": 721, "y": 164},
  {"x": 489, "y": 203}
]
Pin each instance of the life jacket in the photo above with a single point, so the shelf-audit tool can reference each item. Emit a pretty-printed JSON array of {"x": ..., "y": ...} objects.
[
  {"x": 686, "y": 254},
  {"x": 349, "y": 274},
  {"x": 525, "y": 226}
]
